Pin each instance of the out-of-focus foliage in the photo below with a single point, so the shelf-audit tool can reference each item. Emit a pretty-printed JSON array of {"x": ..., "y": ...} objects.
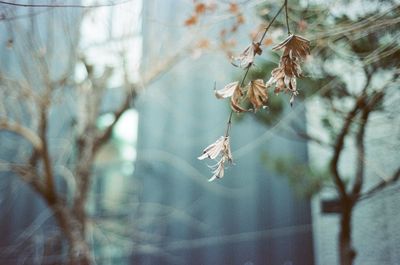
[{"x": 364, "y": 41}]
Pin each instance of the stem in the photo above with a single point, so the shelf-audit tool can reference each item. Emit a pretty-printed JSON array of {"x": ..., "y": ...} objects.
[
  {"x": 245, "y": 75},
  {"x": 229, "y": 124},
  {"x": 62, "y": 5},
  {"x": 270, "y": 23},
  {"x": 287, "y": 18}
]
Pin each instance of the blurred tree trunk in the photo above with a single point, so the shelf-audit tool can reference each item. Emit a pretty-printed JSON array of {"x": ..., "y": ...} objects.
[
  {"x": 347, "y": 253},
  {"x": 73, "y": 229}
]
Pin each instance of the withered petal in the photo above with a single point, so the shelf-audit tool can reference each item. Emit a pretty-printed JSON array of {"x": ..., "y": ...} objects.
[
  {"x": 227, "y": 91},
  {"x": 235, "y": 99}
]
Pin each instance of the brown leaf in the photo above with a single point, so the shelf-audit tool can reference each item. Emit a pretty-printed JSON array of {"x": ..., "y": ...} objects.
[
  {"x": 240, "y": 19},
  {"x": 246, "y": 58},
  {"x": 235, "y": 101},
  {"x": 191, "y": 21},
  {"x": 267, "y": 41},
  {"x": 233, "y": 8},
  {"x": 200, "y": 8},
  {"x": 257, "y": 93}
]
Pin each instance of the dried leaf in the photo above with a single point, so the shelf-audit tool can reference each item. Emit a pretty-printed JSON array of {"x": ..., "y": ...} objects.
[
  {"x": 246, "y": 58},
  {"x": 257, "y": 93},
  {"x": 235, "y": 101},
  {"x": 200, "y": 8},
  {"x": 191, "y": 21},
  {"x": 233, "y": 8}
]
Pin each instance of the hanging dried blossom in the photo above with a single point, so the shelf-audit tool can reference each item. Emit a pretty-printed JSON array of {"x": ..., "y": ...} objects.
[
  {"x": 296, "y": 49},
  {"x": 219, "y": 149},
  {"x": 246, "y": 58},
  {"x": 283, "y": 83}
]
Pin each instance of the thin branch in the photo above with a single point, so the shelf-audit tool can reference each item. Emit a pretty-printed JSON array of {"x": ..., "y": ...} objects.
[
  {"x": 339, "y": 145},
  {"x": 23, "y": 131},
  {"x": 270, "y": 23},
  {"x": 360, "y": 146},
  {"x": 29, "y": 176},
  {"x": 63, "y": 5},
  {"x": 287, "y": 17},
  {"x": 105, "y": 136},
  {"x": 312, "y": 138},
  {"x": 381, "y": 185},
  {"x": 49, "y": 176},
  {"x": 229, "y": 124}
]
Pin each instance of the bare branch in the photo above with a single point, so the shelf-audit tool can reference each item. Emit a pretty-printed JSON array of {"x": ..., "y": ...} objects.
[
  {"x": 29, "y": 176},
  {"x": 339, "y": 145},
  {"x": 63, "y": 5},
  {"x": 360, "y": 146},
  {"x": 23, "y": 131},
  {"x": 381, "y": 185}
]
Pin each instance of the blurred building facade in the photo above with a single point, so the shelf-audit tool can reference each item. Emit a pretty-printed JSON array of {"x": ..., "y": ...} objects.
[{"x": 251, "y": 216}]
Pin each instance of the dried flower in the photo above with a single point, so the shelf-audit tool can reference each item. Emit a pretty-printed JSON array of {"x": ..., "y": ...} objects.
[
  {"x": 283, "y": 83},
  {"x": 220, "y": 149},
  {"x": 294, "y": 46},
  {"x": 257, "y": 93},
  {"x": 218, "y": 170},
  {"x": 296, "y": 49},
  {"x": 246, "y": 58}
]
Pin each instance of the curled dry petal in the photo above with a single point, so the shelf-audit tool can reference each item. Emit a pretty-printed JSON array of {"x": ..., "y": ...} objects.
[
  {"x": 246, "y": 58},
  {"x": 235, "y": 101},
  {"x": 283, "y": 83},
  {"x": 218, "y": 171},
  {"x": 227, "y": 91},
  {"x": 291, "y": 66},
  {"x": 220, "y": 149},
  {"x": 227, "y": 150},
  {"x": 213, "y": 150},
  {"x": 257, "y": 93},
  {"x": 294, "y": 47}
]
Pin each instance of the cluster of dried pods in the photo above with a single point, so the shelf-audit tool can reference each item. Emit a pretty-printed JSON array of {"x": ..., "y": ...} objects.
[{"x": 283, "y": 78}]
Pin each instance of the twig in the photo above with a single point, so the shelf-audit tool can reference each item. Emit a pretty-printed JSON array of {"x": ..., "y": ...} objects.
[
  {"x": 287, "y": 17},
  {"x": 360, "y": 146},
  {"x": 23, "y": 131},
  {"x": 229, "y": 123},
  {"x": 339, "y": 145},
  {"x": 270, "y": 23},
  {"x": 63, "y": 5},
  {"x": 381, "y": 185}
]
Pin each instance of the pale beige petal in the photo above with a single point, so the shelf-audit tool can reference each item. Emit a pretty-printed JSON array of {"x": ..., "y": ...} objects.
[
  {"x": 213, "y": 150},
  {"x": 227, "y": 91}
]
